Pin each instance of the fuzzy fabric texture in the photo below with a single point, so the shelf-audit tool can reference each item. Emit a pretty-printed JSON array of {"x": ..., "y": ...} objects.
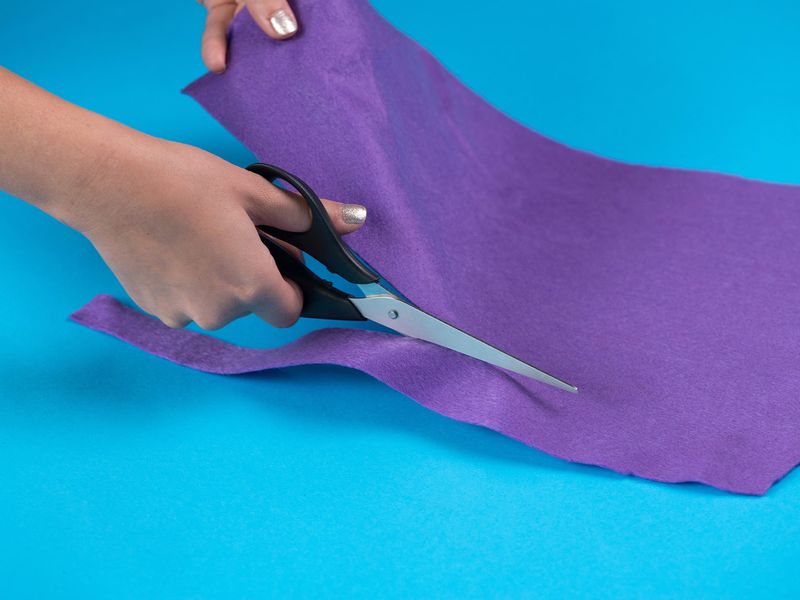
[{"x": 670, "y": 297}]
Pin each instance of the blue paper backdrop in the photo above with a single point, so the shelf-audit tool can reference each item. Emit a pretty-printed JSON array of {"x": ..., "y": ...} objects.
[{"x": 124, "y": 476}]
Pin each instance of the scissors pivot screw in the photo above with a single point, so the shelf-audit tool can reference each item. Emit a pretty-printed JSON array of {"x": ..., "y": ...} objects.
[{"x": 393, "y": 314}]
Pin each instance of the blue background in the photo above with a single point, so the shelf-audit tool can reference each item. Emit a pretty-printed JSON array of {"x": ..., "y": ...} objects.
[{"x": 122, "y": 475}]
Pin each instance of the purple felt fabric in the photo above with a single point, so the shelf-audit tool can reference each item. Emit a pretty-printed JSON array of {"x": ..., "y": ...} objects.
[{"x": 670, "y": 297}]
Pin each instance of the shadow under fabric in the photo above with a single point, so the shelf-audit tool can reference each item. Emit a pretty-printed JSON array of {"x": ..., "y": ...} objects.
[{"x": 670, "y": 297}]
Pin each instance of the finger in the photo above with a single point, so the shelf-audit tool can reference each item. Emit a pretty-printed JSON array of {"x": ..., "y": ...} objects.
[
  {"x": 169, "y": 316},
  {"x": 175, "y": 321},
  {"x": 214, "y": 44},
  {"x": 278, "y": 301},
  {"x": 211, "y": 321},
  {"x": 275, "y": 17},
  {"x": 274, "y": 206},
  {"x": 346, "y": 218},
  {"x": 270, "y": 205}
]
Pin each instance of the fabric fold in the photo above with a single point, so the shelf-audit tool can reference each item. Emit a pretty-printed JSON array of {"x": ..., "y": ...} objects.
[{"x": 670, "y": 297}]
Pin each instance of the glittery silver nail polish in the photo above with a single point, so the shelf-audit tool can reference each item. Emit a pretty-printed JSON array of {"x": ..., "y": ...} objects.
[
  {"x": 282, "y": 22},
  {"x": 354, "y": 214}
]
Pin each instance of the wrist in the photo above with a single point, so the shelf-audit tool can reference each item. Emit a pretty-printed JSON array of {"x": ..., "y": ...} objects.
[{"x": 94, "y": 190}]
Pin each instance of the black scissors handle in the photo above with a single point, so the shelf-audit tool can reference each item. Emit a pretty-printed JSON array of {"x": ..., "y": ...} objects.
[{"x": 321, "y": 300}]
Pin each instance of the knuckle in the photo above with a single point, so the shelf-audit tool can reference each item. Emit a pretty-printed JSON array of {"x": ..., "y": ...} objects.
[
  {"x": 219, "y": 314},
  {"x": 143, "y": 301},
  {"x": 174, "y": 321},
  {"x": 213, "y": 5},
  {"x": 252, "y": 294},
  {"x": 209, "y": 324},
  {"x": 211, "y": 321}
]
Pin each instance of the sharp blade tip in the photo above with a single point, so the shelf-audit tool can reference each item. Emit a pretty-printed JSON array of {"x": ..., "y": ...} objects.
[{"x": 563, "y": 385}]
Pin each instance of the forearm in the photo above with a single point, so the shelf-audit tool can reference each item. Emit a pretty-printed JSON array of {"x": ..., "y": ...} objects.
[
  {"x": 53, "y": 154},
  {"x": 177, "y": 225}
]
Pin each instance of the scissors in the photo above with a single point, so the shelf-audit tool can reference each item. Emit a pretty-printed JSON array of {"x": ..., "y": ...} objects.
[{"x": 322, "y": 300}]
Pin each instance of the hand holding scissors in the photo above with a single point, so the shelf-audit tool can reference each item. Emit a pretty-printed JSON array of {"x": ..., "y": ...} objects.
[{"x": 379, "y": 303}]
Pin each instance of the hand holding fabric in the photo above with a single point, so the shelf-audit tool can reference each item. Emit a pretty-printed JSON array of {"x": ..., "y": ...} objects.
[{"x": 274, "y": 17}]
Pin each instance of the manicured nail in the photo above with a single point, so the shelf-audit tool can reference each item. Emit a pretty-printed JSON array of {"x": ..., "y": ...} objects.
[
  {"x": 354, "y": 214},
  {"x": 283, "y": 23}
]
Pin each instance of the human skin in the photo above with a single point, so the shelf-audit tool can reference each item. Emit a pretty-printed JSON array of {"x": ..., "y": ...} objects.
[
  {"x": 175, "y": 224},
  {"x": 275, "y": 17}
]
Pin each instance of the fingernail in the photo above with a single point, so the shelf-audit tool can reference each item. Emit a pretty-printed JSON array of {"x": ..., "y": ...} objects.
[
  {"x": 283, "y": 23},
  {"x": 354, "y": 214}
]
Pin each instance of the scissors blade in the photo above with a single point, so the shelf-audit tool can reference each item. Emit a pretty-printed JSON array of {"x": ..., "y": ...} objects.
[{"x": 413, "y": 322}]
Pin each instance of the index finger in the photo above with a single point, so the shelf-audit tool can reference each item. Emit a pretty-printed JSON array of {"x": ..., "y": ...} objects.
[{"x": 214, "y": 43}]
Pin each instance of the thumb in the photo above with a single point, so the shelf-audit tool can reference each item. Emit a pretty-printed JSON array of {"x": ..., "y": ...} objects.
[
  {"x": 275, "y": 17},
  {"x": 268, "y": 204}
]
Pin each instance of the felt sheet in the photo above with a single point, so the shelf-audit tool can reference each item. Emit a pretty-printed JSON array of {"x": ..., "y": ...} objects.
[{"x": 670, "y": 297}]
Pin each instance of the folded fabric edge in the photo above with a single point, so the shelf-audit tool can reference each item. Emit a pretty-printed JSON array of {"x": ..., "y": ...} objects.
[{"x": 106, "y": 314}]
